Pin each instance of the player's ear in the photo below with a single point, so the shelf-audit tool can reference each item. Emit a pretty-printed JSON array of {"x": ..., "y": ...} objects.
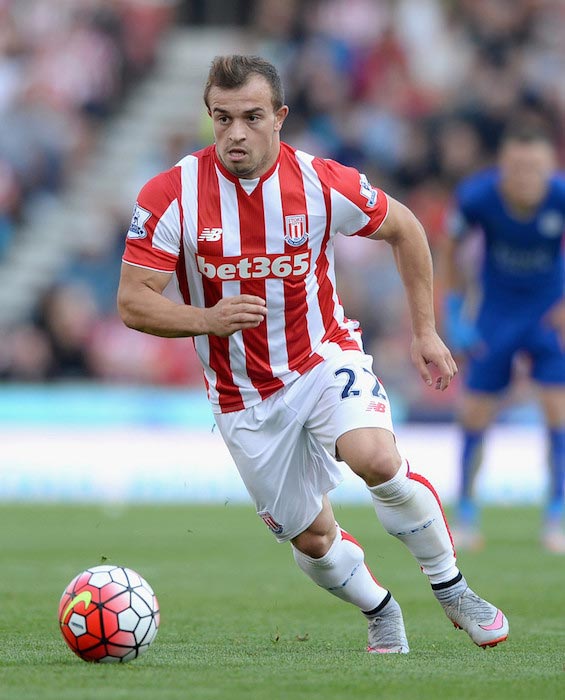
[{"x": 280, "y": 116}]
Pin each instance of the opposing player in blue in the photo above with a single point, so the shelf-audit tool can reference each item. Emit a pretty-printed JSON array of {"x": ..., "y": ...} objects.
[{"x": 518, "y": 207}]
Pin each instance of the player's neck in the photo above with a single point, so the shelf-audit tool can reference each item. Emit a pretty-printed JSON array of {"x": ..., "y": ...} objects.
[{"x": 518, "y": 207}]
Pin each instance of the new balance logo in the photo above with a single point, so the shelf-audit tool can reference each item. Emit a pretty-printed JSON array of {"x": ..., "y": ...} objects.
[
  {"x": 210, "y": 234},
  {"x": 377, "y": 406}
]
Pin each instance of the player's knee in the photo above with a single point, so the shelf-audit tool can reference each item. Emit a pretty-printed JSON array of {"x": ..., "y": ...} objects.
[
  {"x": 378, "y": 467},
  {"x": 314, "y": 544}
]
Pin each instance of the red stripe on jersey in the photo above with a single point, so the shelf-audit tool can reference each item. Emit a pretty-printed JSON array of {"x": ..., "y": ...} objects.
[
  {"x": 182, "y": 277},
  {"x": 210, "y": 216},
  {"x": 253, "y": 241},
  {"x": 181, "y": 263},
  {"x": 293, "y": 200}
]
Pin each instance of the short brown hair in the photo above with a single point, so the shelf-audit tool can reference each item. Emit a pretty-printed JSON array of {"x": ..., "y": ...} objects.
[
  {"x": 527, "y": 131},
  {"x": 235, "y": 70}
]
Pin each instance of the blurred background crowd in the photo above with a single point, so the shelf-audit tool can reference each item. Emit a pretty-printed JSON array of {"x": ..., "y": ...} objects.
[{"x": 414, "y": 93}]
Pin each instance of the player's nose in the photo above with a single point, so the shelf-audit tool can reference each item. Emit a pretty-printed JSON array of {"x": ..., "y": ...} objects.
[{"x": 237, "y": 131}]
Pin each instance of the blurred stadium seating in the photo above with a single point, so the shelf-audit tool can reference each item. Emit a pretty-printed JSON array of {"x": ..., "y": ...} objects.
[{"x": 97, "y": 95}]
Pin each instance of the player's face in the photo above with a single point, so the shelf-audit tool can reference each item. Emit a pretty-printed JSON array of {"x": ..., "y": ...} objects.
[
  {"x": 246, "y": 127},
  {"x": 525, "y": 170}
]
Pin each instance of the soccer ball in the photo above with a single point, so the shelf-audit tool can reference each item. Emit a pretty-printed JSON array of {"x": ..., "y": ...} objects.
[{"x": 109, "y": 614}]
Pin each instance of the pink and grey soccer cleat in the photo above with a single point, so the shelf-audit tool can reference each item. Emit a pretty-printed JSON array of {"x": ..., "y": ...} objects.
[
  {"x": 486, "y": 625},
  {"x": 386, "y": 630}
]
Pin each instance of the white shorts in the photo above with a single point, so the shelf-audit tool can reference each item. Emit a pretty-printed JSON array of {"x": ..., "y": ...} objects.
[{"x": 284, "y": 447}]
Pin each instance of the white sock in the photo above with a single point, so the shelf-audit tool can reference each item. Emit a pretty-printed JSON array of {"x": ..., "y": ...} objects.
[
  {"x": 409, "y": 508},
  {"x": 342, "y": 571}
]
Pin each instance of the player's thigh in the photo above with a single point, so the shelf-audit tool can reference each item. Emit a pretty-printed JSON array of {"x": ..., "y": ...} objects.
[
  {"x": 477, "y": 409},
  {"x": 285, "y": 470},
  {"x": 488, "y": 367},
  {"x": 552, "y": 400},
  {"x": 351, "y": 417},
  {"x": 547, "y": 356},
  {"x": 350, "y": 397},
  {"x": 371, "y": 453}
]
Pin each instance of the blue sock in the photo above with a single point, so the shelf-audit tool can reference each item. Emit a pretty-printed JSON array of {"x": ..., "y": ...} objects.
[
  {"x": 556, "y": 494},
  {"x": 470, "y": 461}
]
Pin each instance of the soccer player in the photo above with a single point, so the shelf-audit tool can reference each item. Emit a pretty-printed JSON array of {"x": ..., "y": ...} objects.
[
  {"x": 518, "y": 207},
  {"x": 247, "y": 225}
]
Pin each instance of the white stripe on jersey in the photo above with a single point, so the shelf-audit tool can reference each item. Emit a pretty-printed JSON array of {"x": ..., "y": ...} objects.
[
  {"x": 274, "y": 224},
  {"x": 165, "y": 236},
  {"x": 189, "y": 183}
]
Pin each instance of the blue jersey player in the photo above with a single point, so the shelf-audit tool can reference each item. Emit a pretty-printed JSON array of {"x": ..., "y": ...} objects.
[{"x": 518, "y": 207}]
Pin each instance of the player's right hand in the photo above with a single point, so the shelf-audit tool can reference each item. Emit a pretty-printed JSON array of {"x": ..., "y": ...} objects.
[
  {"x": 460, "y": 332},
  {"x": 233, "y": 314}
]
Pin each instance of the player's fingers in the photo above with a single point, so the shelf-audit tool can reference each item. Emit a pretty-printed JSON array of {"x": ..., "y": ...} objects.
[
  {"x": 248, "y": 299},
  {"x": 244, "y": 311},
  {"x": 422, "y": 367},
  {"x": 248, "y": 307},
  {"x": 247, "y": 315},
  {"x": 447, "y": 369}
]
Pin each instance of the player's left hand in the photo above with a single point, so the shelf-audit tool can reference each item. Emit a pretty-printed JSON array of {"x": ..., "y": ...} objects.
[{"x": 429, "y": 349}]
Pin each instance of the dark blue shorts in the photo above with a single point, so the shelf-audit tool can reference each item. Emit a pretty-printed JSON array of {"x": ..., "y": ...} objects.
[{"x": 505, "y": 336}]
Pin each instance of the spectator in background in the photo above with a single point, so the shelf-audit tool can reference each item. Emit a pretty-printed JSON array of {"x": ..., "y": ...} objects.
[{"x": 64, "y": 68}]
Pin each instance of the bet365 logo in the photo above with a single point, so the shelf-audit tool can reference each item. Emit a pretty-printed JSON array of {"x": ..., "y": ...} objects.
[{"x": 266, "y": 266}]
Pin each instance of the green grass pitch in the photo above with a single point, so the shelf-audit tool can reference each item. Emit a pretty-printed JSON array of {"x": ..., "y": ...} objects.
[{"x": 239, "y": 620}]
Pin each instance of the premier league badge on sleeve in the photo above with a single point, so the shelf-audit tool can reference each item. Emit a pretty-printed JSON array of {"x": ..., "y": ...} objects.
[
  {"x": 368, "y": 191},
  {"x": 139, "y": 218}
]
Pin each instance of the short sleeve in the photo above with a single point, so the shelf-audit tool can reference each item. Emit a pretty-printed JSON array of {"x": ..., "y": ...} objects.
[
  {"x": 154, "y": 235},
  {"x": 358, "y": 208}
]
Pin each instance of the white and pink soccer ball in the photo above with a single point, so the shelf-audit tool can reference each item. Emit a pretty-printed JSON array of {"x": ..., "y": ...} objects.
[{"x": 109, "y": 614}]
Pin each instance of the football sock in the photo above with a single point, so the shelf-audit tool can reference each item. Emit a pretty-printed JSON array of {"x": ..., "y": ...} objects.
[
  {"x": 409, "y": 508},
  {"x": 471, "y": 456},
  {"x": 342, "y": 571},
  {"x": 450, "y": 590},
  {"x": 556, "y": 495}
]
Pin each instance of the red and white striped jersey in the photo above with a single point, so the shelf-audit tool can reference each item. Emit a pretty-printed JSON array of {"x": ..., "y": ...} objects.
[{"x": 271, "y": 237}]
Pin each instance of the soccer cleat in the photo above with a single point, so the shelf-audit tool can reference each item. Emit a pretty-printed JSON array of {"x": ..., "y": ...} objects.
[
  {"x": 386, "y": 630},
  {"x": 486, "y": 625}
]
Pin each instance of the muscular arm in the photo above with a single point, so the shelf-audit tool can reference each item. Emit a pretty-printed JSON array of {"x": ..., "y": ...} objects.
[
  {"x": 142, "y": 306},
  {"x": 404, "y": 233}
]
